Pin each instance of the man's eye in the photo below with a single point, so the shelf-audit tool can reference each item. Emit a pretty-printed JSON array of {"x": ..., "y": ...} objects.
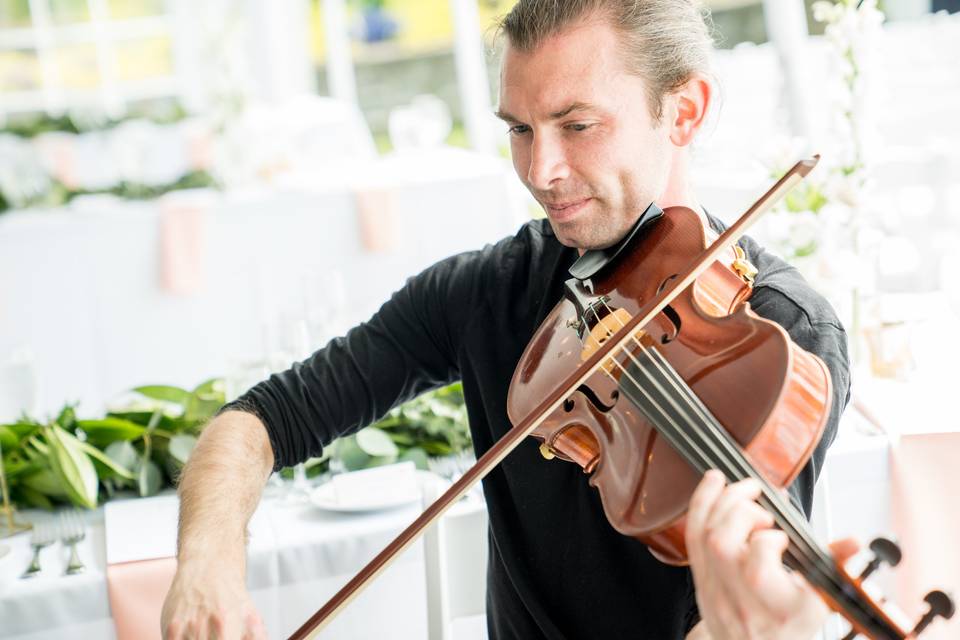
[
  {"x": 576, "y": 126},
  {"x": 518, "y": 129}
]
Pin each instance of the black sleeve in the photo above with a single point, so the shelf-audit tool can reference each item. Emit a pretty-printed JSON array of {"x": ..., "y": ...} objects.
[{"x": 408, "y": 347}]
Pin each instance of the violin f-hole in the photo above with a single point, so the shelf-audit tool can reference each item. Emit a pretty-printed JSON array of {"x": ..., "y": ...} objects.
[
  {"x": 595, "y": 399},
  {"x": 671, "y": 315}
]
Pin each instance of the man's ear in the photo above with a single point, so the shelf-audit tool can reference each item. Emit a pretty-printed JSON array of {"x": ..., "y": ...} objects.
[{"x": 689, "y": 106}]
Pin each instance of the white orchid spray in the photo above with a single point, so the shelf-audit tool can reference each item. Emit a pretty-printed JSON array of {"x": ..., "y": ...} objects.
[
  {"x": 819, "y": 226},
  {"x": 829, "y": 204},
  {"x": 853, "y": 32}
]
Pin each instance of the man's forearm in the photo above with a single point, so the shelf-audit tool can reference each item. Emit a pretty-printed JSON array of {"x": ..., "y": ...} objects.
[{"x": 220, "y": 489}]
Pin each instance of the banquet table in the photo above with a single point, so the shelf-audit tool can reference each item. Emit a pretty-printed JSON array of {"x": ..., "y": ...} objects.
[
  {"x": 108, "y": 294},
  {"x": 298, "y": 556}
]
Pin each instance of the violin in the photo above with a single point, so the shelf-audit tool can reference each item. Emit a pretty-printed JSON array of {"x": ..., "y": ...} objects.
[{"x": 653, "y": 369}]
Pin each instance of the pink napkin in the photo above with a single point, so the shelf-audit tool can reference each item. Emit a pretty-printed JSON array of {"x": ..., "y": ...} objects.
[
  {"x": 137, "y": 590},
  {"x": 58, "y": 151},
  {"x": 377, "y": 218},
  {"x": 183, "y": 233},
  {"x": 925, "y": 476}
]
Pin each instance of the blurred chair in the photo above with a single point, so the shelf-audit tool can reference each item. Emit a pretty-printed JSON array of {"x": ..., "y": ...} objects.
[{"x": 455, "y": 555}]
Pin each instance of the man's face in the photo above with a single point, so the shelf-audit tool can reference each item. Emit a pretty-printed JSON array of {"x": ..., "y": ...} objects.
[{"x": 581, "y": 134}]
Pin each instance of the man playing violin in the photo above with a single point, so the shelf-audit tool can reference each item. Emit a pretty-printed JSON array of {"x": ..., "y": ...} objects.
[{"x": 603, "y": 99}]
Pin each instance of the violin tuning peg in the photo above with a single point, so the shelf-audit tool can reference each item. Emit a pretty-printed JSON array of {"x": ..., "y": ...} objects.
[
  {"x": 940, "y": 605},
  {"x": 884, "y": 550}
]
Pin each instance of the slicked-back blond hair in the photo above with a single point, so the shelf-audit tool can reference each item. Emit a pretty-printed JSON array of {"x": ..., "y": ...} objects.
[{"x": 665, "y": 41}]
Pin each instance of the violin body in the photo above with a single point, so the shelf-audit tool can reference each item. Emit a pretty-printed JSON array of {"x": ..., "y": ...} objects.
[
  {"x": 651, "y": 370},
  {"x": 770, "y": 395}
]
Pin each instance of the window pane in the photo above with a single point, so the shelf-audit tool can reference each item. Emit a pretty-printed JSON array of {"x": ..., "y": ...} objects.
[
  {"x": 78, "y": 66},
  {"x": 68, "y": 11},
  {"x": 144, "y": 59},
  {"x": 14, "y": 13},
  {"x": 135, "y": 8},
  {"x": 738, "y": 21},
  {"x": 19, "y": 71}
]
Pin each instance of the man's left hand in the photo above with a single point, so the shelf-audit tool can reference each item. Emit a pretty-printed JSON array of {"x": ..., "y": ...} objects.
[{"x": 743, "y": 589}]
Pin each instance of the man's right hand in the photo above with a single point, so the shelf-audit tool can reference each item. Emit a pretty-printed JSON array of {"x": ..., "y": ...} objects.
[{"x": 205, "y": 606}]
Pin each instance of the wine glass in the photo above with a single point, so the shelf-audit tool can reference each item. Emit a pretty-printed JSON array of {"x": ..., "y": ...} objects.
[{"x": 18, "y": 385}]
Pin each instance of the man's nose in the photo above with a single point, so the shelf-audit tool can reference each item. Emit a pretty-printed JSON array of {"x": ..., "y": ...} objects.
[{"x": 548, "y": 162}]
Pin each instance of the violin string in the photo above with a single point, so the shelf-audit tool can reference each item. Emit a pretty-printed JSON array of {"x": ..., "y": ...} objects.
[{"x": 809, "y": 553}]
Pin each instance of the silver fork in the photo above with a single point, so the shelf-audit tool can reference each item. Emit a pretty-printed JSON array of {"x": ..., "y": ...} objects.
[
  {"x": 43, "y": 535},
  {"x": 72, "y": 531}
]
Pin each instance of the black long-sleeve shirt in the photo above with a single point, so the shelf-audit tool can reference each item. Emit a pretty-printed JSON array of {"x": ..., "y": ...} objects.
[{"x": 557, "y": 569}]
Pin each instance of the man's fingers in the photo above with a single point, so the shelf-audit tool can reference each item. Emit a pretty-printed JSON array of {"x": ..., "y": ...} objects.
[
  {"x": 254, "y": 629},
  {"x": 726, "y": 537},
  {"x": 732, "y": 517},
  {"x": 774, "y": 589},
  {"x": 762, "y": 564},
  {"x": 701, "y": 503}
]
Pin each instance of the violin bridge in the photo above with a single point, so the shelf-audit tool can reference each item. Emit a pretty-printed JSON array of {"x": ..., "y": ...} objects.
[{"x": 602, "y": 331}]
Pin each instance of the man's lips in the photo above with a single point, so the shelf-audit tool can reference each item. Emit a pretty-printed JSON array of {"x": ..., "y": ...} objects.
[{"x": 561, "y": 211}]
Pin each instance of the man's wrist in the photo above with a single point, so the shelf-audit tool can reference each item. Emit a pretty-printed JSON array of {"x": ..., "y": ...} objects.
[{"x": 224, "y": 559}]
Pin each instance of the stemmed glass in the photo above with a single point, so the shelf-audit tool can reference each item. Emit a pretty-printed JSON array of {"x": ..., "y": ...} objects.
[
  {"x": 18, "y": 395},
  {"x": 316, "y": 318}
]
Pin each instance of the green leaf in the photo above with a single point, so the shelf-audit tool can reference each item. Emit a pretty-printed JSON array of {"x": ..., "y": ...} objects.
[
  {"x": 8, "y": 438},
  {"x": 435, "y": 448},
  {"x": 123, "y": 454},
  {"x": 45, "y": 482},
  {"x": 103, "y": 432},
  {"x": 402, "y": 439},
  {"x": 149, "y": 478},
  {"x": 205, "y": 400},
  {"x": 35, "y": 498},
  {"x": 37, "y": 442},
  {"x": 166, "y": 393},
  {"x": 106, "y": 467},
  {"x": 375, "y": 442},
  {"x": 181, "y": 446},
  {"x": 350, "y": 454},
  {"x": 73, "y": 467},
  {"x": 417, "y": 455},
  {"x": 23, "y": 429},
  {"x": 210, "y": 387},
  {"x": 377, "y": 461},
  {"x": 67, "y": 418},
  {"x": 16, "y": 465},
  {"x": 143, "y": 418},
  {"x": 201, "y": 409}
]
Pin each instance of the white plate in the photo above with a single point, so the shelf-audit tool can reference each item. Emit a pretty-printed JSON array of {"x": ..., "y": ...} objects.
[
  {"x": 325, "y": 497},
  {"x": 4, "y": 550}
]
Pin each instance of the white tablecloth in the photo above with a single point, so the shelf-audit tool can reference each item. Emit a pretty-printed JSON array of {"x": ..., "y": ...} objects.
[
  {"x": 80, "y": 285},
  {"x": 298, "y": 557}
]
